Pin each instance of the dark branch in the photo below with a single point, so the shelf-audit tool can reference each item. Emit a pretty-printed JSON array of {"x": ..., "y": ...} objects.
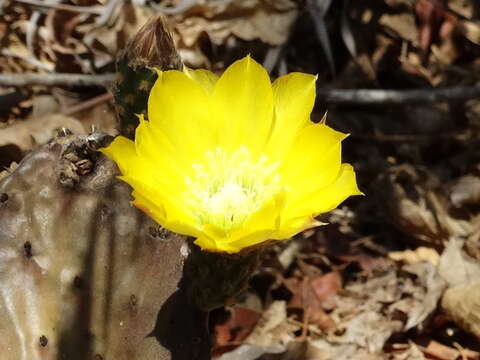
[{"x": 382, "y": 97}]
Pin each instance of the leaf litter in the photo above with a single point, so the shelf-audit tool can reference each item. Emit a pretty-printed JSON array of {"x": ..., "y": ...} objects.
[{"x": 395, "y": 274}]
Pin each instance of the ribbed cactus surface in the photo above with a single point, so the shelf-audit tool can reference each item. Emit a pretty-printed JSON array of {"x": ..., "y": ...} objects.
[{"x": 83, "y": 274}]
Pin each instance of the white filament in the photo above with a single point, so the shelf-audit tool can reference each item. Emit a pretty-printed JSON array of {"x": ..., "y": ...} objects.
[{"x": 227, "y": 188}]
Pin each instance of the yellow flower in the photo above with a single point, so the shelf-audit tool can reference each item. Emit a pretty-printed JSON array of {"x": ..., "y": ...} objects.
[{"x": 234, "y": 161}]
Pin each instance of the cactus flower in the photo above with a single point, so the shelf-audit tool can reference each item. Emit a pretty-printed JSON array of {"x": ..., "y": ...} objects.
[{"x": 233, "y": 161}]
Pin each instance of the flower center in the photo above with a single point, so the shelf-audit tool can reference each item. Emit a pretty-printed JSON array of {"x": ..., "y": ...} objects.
[{"x": 227, "y": 188}]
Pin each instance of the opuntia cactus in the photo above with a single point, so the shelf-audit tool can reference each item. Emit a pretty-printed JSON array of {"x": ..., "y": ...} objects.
[{"x": 83, "y": 274}]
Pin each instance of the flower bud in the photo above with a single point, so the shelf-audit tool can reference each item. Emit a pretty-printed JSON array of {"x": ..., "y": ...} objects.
[{"x": 151, "y": 48}]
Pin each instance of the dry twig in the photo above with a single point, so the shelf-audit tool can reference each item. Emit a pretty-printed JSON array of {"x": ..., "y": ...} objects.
[
  {"x": 29, "y": 79},
  {"x": 28, "y": 59},
  {"x": 382, "y": 97}
]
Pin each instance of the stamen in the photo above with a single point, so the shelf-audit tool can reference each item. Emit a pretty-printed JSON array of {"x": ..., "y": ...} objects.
[{"x": 227, "y": 188}]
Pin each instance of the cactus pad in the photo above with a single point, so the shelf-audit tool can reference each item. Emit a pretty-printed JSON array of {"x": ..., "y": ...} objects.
[{"x": 83, "y": 274}]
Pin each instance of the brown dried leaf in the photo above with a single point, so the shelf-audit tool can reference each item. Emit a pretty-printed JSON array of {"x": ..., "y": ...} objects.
[
  {"x": 107, "y": 41},
  {"x": 418, "y": 206},
  {"x": 368, "y": 313},
  {"x": 456, "y": 267},
  {"x": 304, "y": 297},
  {"x": 359, "y": 316},
  {"x": 44, "y": 105},
  {"x": 462, "y": 304},
  {"x": 466, "y": 8},
  {"x": 321, "y": 349},
  {"x": 424, "y": 297},
  {"x": 266, "y": 20},
  {"x": 466, "y": 190},
  {"x": 369, "y": 330},
  {"x": 403, "y": 24},
  {"x": 430, "y": 14},
  {"x": 414, "y": 256},
  {"x": 325, "y": 288},
  {"x": 101, "y": 116},
  {"x": 238, "y": 327},
  {"x": 34, "y": 131},
  {"x": 273, "y": 327}
]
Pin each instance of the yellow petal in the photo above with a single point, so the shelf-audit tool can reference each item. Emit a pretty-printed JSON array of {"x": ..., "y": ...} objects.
[
  {"x": 155, "y": 150},
  {"x": 313, "y": 161},
  {"x": 180, "y": 108},
  {"x": 333, "y": 195},
  {"x": 250, "y": 239},
  {"x": 151, "y": 183},
  {"x": 292, "y": 226},
  {"x": 243, "y": 105},
  {"x": 162, "y": 204},
  {"x": 122, "y": 151},
  {"x": 293, "y": 96},
  {"x": 153, "y": 209},
  {"x": 158, "y": 213},
  {"x": 256, "y": 229},
  {"x": 260, "y": 226},
  {"x": 299, "y": 215},
  {"x": 205, "y": 78}
]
